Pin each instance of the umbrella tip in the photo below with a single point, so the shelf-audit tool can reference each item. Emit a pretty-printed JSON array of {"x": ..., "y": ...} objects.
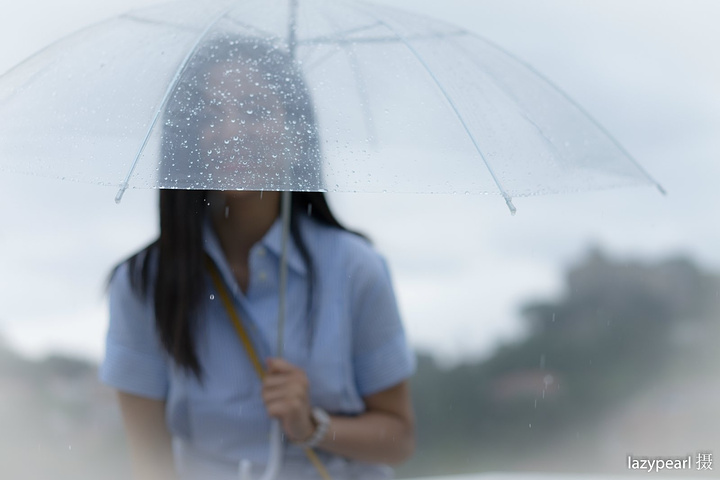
[
  {"x": 509, "y": 203},
  {"x": 121, "y": 192},
  {"x": 661, "y": 189}
]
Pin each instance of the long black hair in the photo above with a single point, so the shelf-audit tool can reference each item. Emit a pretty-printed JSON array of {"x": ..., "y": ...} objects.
[{"x": 177, "y": 256}]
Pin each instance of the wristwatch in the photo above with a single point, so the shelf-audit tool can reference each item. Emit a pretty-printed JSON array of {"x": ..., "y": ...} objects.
[{"x": 322, "y": 424}]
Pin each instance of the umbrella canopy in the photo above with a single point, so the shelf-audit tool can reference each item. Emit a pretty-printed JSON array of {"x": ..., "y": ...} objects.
[{"x": 342, "y": 96}]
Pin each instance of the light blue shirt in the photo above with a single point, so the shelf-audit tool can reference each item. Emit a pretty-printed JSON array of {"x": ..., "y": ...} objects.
[{"x": 355, "y": 347}]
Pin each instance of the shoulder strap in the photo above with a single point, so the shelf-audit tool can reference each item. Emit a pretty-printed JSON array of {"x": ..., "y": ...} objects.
[
  {"x": 232, "y": 313},
  {"x": 247, "y": 343}
]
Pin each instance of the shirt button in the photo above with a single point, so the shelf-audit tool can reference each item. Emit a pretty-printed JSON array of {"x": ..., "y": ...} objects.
[
  {"x": 261, "y": 251},
  {"x": 262, "y": 276}
]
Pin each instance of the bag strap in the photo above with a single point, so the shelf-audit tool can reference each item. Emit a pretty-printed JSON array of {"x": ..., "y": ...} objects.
[
  {"x": 232, "y": 313},
  {"x": 247, "y": 343}
]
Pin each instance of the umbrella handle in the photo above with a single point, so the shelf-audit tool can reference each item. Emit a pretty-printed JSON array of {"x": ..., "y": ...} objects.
[{"x": 274, "y": 459}]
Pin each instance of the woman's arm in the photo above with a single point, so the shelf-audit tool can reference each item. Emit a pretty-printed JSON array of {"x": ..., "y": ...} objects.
[
  {"x": 148, "y": 438},
  {"x": 384, "y": 433}
]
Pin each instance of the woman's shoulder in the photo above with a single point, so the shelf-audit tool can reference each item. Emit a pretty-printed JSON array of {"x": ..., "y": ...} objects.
[
  {"x": 342, "y": 248},
  {"x": 134, "y": 274}
]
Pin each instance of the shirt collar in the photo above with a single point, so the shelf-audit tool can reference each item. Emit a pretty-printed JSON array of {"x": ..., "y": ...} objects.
[{"x": 272, "y": 241}]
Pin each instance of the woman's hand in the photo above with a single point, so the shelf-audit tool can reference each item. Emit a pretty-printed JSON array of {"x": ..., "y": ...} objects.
[{"x": 286, "y": 393}]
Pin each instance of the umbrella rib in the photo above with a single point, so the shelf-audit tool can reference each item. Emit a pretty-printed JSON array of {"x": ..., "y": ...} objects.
[
  {"x": 572, "y": 102},
  {"x": 448, "y": 98},
  {"x": 124, "y": 185},
  {"x": 516, "y": 101},
  {"x": 327, "y": 40},
  {"x": 313, "y": 41},
  {"x": 150, "y": 21},
  {"x": 360, "y": 86}
]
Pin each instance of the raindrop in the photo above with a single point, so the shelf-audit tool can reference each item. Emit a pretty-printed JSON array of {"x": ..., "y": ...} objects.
[
  {"x": 309, "y": 209},
  {"x": 227, "y": 211}
]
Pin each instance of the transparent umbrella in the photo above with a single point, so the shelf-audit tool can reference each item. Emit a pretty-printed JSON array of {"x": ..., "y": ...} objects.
[
  {"x": 401, "y": 103},
  {"x": 298, "y": 95}
]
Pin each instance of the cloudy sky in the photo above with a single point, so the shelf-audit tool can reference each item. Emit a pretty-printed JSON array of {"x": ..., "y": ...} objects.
[{"x": 462, "y": 265}]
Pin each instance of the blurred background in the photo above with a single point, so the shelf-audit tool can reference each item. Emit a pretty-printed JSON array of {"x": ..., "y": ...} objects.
[{"x": 562, "y": 339}]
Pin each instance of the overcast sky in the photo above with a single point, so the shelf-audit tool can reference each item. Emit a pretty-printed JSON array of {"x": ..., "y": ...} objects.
[{"x": 646, "y": 69}]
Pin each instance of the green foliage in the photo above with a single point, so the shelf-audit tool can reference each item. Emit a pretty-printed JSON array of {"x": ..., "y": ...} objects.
[{"x": 612, "y": 333}]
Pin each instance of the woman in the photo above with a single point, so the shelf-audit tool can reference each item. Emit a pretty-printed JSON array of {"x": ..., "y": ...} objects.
[{"x": 192, "y": 403}]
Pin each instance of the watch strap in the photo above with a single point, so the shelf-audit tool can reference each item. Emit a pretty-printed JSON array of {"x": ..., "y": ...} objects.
[{"x": 322, "y": 424}]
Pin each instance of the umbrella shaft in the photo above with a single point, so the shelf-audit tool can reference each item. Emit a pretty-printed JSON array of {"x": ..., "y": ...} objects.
[{"x": 285, "y": 210}]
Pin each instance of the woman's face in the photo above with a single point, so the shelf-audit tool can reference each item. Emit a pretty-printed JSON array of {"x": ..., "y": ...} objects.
[{"x": 242, "y": 127}]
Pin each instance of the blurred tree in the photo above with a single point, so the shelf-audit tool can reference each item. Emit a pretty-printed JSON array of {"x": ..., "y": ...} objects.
[{"x": 619, "y": 327}]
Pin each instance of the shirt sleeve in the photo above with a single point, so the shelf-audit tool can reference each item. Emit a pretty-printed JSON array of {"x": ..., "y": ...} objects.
[
  {"x": 135, "y": 361},
  {"x": 381, "y": 355}
]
